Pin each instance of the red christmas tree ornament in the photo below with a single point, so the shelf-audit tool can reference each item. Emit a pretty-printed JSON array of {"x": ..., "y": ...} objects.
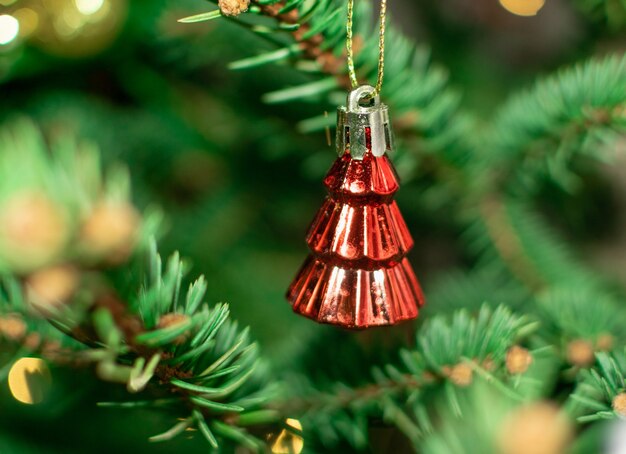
[{"x": 357, "y": 275}]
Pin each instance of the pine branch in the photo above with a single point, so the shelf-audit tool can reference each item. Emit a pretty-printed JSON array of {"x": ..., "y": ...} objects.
[
  {"x": 451, "y": 353},
  {"x": 308, "y": 38},
  {"x": 22, "y": 334},
  {"x": 610, "y": 12},
  {"x": 537, "y": 135},
  {"x": 426, "y": 109},
  {"x": 601, "y": 393},
  {"x": 576, "y": 311},
  {"x": 495, "y": 231},
  {"x": 135, "y": 324},
  {"x": 310, "y": 43},
  {"x": 148, "y": 333},
  {"x": 508, "y": 237},
  {"x": 539, "y": 132},
  {"x": 459, "y": 289}
]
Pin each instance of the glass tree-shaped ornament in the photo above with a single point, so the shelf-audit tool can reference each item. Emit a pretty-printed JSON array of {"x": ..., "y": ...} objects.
[{"x": 357, "y": 275}]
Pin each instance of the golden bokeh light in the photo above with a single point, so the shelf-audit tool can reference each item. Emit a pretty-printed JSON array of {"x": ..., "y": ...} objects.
[
  {"x": 523, "y": 7},
  {"x": 67, "y": 28},
  {"x": 9, "y": 29},
  {"x": 294, "y": 423},
  {"x": 29, "y": 380},
  {"x": 50, "y": 288},
  {"x": 88, "y": 7},
  {"x": 535, "y": 428},
  {"x": 28, "y": 19},
  {"x": 287, "y": 442}
]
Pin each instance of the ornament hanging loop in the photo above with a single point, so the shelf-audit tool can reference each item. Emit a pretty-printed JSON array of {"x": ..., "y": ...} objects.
[
  {"x": 381, "y": 48},
  {"x": 362, "y": 129},
  {"x": 364, "y": 92}
]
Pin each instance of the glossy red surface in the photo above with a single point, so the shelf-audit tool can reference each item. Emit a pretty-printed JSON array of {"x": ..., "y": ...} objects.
[
  {"x": 357, "y": 275},
  {"x": 355, "y": 298},
  {"x": 368, "y": 234},
  {"x": 370, "y": 179}
]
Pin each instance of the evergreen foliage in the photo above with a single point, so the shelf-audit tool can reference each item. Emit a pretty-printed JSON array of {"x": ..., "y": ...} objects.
[{"x": 522, "y": 318}]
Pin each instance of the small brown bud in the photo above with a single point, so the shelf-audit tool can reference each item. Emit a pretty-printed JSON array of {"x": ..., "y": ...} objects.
[
  {"x": 605, "y": 342},
  {"x": 538, "y": 428},
  {"x": 32, "y": 341},
  {"x": 358, "y": 43},
  {"x": 51, "y": 287},
  {"x": 518, "y": 360},
  {"x": 233, "y": 7},
  {"x": 170, "y": 320},
  {"x": 12, "y": 327},
  {"x": 460, "y": 374},
  {"x": 429, "y": 377},
  {"x": 33, "y": 231},
  {"x": 51, "y": 349},
  {"x": 407, "y": 120},
  {"x": 488, "y": 364},
  {"x": 580, "y": 353},
  {"x": 619, "y": 404},
  {"x": 110, "y": 231}
]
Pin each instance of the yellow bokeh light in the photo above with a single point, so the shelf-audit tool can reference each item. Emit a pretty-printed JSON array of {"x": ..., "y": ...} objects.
[
  {"x": 29, "y": 380},
  {"x": 28, "y": 19},
  {"x": 9, "y": 28},
  {"x": 88, "y": 7},
  {"x": 77, "y": 28},
  {"x": 287, "y": 442},
  {"x": 294, "y": 423},
  {"x": 523, "y": 7}
]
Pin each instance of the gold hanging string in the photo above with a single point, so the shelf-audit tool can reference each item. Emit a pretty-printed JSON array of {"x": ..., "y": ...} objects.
[{"x": 381, "y": 48}]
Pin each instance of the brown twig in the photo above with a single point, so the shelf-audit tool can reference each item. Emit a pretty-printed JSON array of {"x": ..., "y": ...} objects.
[
  {"x": 508, "y": 244},
  {"x": 311, "y": 47},
  {"x": 131, "y": 326},
  {"x": 499, "y": 227},
  {"x": 344, "y": 398}
]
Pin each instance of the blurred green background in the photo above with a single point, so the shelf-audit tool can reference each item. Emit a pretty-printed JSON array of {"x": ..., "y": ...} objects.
[{"x": 236, "y": 179}]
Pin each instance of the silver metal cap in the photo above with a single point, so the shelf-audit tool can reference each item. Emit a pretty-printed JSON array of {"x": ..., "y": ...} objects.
[{"x": 363, "y": 128}]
